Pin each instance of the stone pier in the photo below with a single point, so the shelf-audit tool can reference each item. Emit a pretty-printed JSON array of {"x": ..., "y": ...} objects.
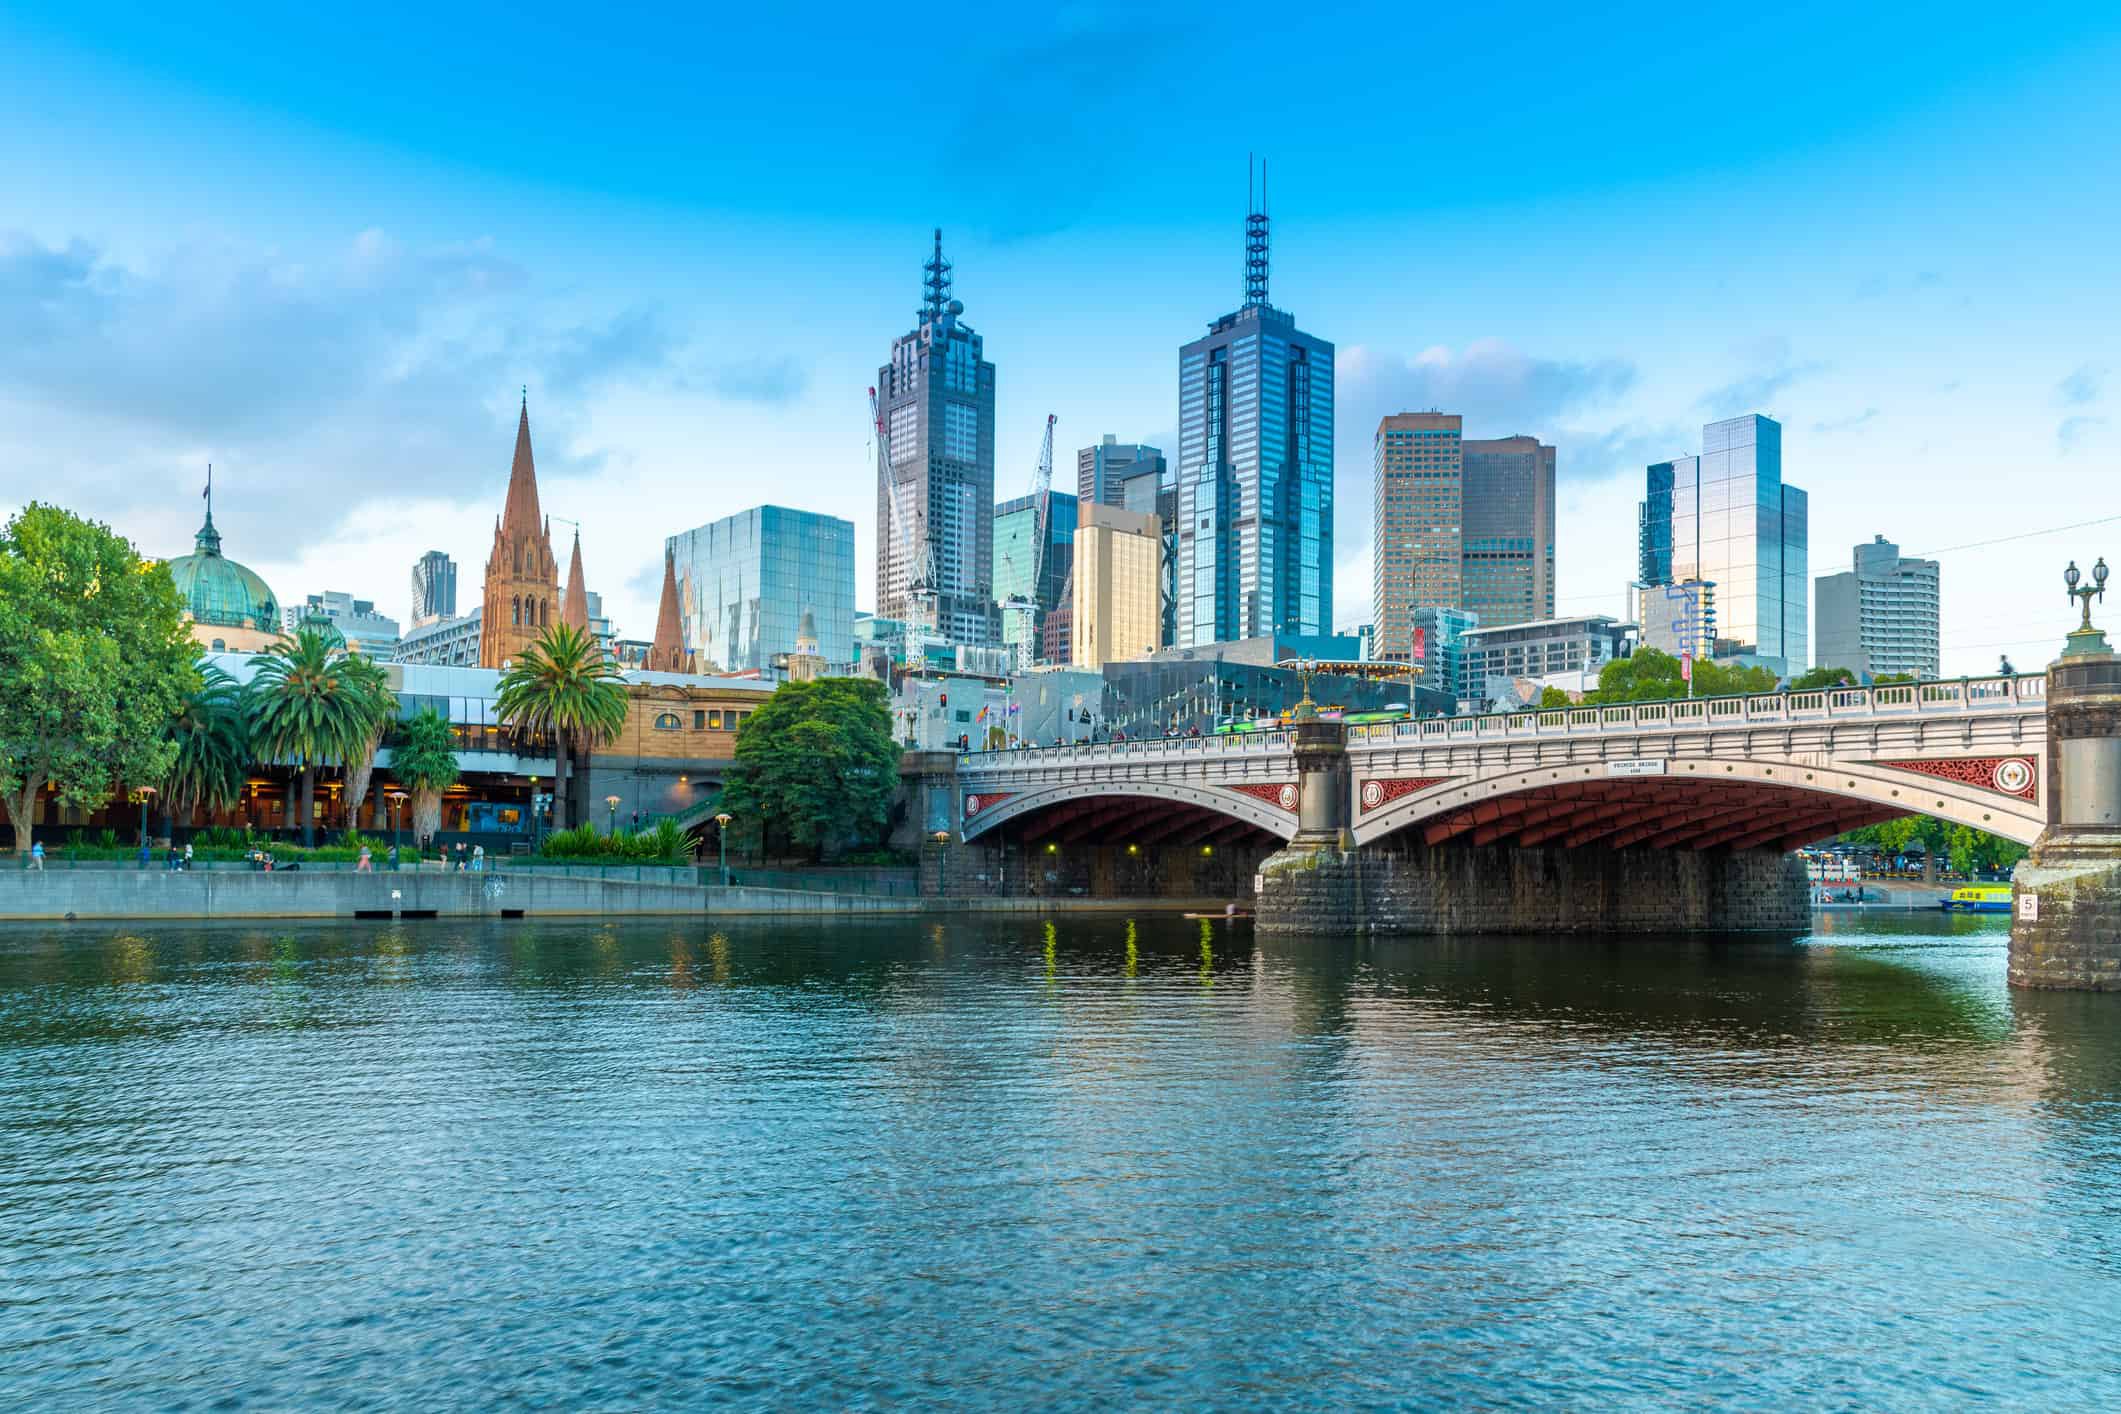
[{"x": 2066, "y": 894}]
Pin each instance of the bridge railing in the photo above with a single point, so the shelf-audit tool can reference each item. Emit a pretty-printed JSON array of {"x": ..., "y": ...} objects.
[
  {"x": 1681, "y": 714},
  {"x": 1147, "y": 748}
]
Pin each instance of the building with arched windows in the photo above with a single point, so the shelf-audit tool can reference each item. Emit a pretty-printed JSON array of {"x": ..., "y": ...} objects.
[{"x": 522, "y": 597}]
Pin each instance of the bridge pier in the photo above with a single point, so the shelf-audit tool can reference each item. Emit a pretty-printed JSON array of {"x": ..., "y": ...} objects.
[{"x": 2066, "y": 894}]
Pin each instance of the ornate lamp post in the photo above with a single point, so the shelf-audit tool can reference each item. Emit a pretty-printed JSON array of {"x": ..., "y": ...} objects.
[
  {"x": 2084, "y": 638},
  {"x": 396, "y": 800},
  {"x": 144, "y": 794},
  {"x": 611, "y": 803},
  {"x": 721, "y": 838}
]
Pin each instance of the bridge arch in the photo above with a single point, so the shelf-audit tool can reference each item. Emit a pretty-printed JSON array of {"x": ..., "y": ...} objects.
[
  {"x": 1159, "y": 810},
  {"x": 1698, "y": 802}
]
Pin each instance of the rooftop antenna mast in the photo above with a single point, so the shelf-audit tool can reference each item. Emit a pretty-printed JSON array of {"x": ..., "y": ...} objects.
[
  {"x": 935, "y": 285},
  {"x": 1256, "y": 237}
]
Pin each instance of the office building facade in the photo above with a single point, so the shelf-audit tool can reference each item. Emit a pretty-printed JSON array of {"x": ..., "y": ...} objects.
[
  {"x": 1880, "y": 616},
  {"x": 1100, "y": 470},
  {"x": 434, "y": 588},
  {"x": 1566, "y": 653},
  {"x": 935, "y": 475},
  {"x": 1416, "y": 558},
  {"x": 1255, "y": 471},
  {"x": 1029, "y": 581},
  {"x": 1727, "y": 518},
  {"x": 444, "y": 643},
  {"x": 1118, "y": 587},
  {"x": 365, "y": 631},
  {"x": 746, "y": 581},
  {"x": 1679, "y": 619},
  {"x": 1506, "y": 529},
  {"x": 1150, "y": 491}
]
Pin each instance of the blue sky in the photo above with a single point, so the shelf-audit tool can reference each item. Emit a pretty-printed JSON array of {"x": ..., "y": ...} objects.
[{"x": 323, "y": 249}]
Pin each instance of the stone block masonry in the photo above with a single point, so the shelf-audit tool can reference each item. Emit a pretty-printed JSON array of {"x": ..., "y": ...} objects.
[{"x": 1501, "y": 889}]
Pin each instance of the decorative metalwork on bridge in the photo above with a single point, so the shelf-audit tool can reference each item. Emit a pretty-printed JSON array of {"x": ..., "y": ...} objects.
[
  {"x": 2084, "y": 638},
  {"x": 2015, "y": 776}
]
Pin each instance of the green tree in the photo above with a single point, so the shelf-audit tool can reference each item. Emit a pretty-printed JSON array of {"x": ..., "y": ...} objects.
[
  {"x": 1652, "y": 675},
  {"x": 94, "y": 662},
  {"x": 816, "y": 764},
  {"x": 1552, "y": 697},
  {"x": 212, "y": 735},
  {"x": 423, "y": 757},
  {"x": 314, "y": 704},
  {"x": 563, "y": 684},
  {"x": 1887, "y": 679},
  {"x": 1812, "y": 679}
]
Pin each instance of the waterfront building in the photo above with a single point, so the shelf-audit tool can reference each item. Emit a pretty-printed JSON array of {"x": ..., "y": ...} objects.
[
  {"x": 935, "y": 405},
  {"x": 1417, "y": 552},
  {"x": 1119, "y": 576},
  {"x": 748, "y": 581},
  {"x": 1017, "y": 557},
  {"x": 228, "y": 606},
  {"x": 1679, "y": 619},
  {"x": 1102, "y": 469},
  {"x": 444, "y": 643},
  {"x": 1567, "y": 653},
  {"x": 1726, "y": 517},
  {"x": 1880, "y": 616},
  {"x": 363, "y": 630},
  {"x": 1255, "y": 470},
  {"x": 522, "y": 586},
  {"x": 434, "y": 588},
  {"x": 1507, "y": 529}
]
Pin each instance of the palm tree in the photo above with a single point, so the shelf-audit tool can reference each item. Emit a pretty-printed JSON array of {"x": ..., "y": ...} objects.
[
  {"x": 563, "y": 684},
  {"x": 424, "y": 761},
  {"x": 361, "y": 761},
  {"x": 213, "y": 748},
  {"x": 313, "y": 703}
]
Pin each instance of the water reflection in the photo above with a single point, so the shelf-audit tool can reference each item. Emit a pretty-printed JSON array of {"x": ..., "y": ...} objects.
[{"x": 1663, "y": 1170}]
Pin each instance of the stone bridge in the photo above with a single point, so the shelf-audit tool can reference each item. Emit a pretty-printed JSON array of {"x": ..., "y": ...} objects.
[{"x": 1772, "y": 771}]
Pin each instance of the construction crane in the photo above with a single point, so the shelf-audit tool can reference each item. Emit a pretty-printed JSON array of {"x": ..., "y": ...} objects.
[
  {"x": 1041, "y": 508},
  {"x": 920, "y": 577}
]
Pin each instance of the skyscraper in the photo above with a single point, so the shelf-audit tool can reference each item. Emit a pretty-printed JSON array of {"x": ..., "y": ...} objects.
[
  {"x": 1416, "y": 556},
  {"x": 1727, "y": 518},
  {"x": 1100, "y": 469},
  {"x": 1118, "y": 587},
  {"x": 1881, "y": 615},
  {"x": 1255, "y": 470},
  {"x": 1018, "y": 558},
  {"x": 434, "y": 588},
  {"x": 935, "y": 474},
  {"x": 749, "y": 581},
  {"x": 1507, "y": 530}
]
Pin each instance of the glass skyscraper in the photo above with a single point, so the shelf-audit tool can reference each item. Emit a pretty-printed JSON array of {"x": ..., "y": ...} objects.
[
  {"x": 1727, "y": 518},
  {"x": 1255, "y": 471},
  {"x": 935, "y": 400},
  {"x": 1507, "y": 545},
  {"x": 745, "y": 582},
  {"x": 1016, "y": 553}
]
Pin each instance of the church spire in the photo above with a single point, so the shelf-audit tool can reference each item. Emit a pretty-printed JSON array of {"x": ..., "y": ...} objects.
[
  {"x": 667, "y": 653},
  {"x": 520, "y": 515},
  {"x": 574, "y": 608}
]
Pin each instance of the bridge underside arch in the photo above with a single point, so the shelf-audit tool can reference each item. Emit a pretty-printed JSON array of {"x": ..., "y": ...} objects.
[
  {"x": 1702, "y": 804},
  {"x": 1162, "y": 814}
]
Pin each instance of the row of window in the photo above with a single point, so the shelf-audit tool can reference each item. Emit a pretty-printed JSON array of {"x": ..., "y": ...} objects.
[{"x": 712, "y": 719}]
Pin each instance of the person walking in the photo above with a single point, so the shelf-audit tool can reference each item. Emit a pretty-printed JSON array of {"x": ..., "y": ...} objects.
[
  {"x": 187, "y": 857},
  {"x": 478, "y": 859},
  {"x": 36, "y": 856},
  {"x": 393, "y": 858},
  {"x": 364, "y": 865}
]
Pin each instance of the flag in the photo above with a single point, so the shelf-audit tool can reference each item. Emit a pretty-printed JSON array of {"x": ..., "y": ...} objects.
[
  {"x": 1421, "y": 643},
  {"x": 1686, "y": 667},
  {"x": 982, "y": 715}
]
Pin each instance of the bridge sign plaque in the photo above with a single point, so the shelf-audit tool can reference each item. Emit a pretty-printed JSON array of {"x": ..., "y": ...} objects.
[{"x": 1636, "y": 766}]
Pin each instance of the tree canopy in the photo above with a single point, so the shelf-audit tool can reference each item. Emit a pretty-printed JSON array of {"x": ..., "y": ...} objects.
[
  {"x": 1652, "y": 675},
  {"x": 564, "y": 684},
  {"x": 815, "y": 765},
  {"x": 313, "y": 704},
  {"x": 1812, "y": 679},
  {"x": 94, "y": 662},
  {"x": 213, "y": 746},
  {"x": 1967, "y": 848}
]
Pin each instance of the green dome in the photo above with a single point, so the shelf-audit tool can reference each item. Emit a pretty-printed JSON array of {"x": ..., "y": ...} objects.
[{"x": 219, "y": 591}]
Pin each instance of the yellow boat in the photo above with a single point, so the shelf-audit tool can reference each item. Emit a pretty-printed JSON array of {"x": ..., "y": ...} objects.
[{"x": 1978, "y": 898}]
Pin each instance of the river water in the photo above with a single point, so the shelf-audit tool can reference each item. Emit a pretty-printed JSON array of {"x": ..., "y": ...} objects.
[{"x": 998, "y": 1162}]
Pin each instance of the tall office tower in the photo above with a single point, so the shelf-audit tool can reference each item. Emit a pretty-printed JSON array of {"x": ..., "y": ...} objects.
[
  {"x": 1099, "y": 470},
  {"x": 1150, "y": 491},
  {"x": 1727, "y": 518},
  {"x": 1416, "y": 538},
  {"x": 1018, "y": 558},
  {"x": 1507, "y": 530},
  {"x": 748, "y": 582},
  {"x": 1255, "y": 470},
  {"x": 434, "y": 588},
  {"x": 935, "y": 404},
  {"x": 1881, "y": 616},
  {"x": 1118, "y": 582}
]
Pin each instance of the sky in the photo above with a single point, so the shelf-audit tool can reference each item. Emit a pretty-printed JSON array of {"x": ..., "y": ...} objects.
[{"x": 326, "y": 250}]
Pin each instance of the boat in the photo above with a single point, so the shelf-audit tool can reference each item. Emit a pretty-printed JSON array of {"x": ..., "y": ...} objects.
[{"x": 1978, "y": 898}]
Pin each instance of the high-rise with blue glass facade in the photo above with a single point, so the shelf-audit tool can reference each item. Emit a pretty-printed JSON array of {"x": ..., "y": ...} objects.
[
  {"x": 1255, "y": 471},
  {"x": 1727, "y": 518},
  {"x": 746, "y": 581}
]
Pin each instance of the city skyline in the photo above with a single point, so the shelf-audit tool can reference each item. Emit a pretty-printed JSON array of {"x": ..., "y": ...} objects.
[{"x": 351, "y": 364}]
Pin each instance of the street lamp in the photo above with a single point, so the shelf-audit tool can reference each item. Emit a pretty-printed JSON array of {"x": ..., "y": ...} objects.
[
  {"x": 145, "y": 794},
  {"x": 611, "y": 803},
  {"x": 396, "y": 801},
  {"x": 2084, "y": 638},
  {"x": 721, "y": 838}
]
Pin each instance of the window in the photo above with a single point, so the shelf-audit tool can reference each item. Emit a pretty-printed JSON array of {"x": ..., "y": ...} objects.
[
  {"x": 219, "y": 646},
  {"x": 667, "y": 722},
  {"x": 714, "y": 720},
  {"x": 699, "y": 720}
]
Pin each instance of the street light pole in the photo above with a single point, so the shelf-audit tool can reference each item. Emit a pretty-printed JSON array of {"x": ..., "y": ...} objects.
[
  {"x": 721, "y": 838},
  {"x": 611, "y": 828},
  {"x": 146, "y": 794}
]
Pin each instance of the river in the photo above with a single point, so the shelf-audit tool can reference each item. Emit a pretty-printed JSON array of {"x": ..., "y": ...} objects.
[{"x": 998, "y": 1162}]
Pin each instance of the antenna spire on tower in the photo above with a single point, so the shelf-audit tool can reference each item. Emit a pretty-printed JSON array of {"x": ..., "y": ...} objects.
[
  {"x": 936, "y": 286},
  {"x": 1256, "y": 237}
]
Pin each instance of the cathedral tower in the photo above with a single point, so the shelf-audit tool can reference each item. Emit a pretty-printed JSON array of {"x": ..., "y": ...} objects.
[{"x": 522, "y": 578}]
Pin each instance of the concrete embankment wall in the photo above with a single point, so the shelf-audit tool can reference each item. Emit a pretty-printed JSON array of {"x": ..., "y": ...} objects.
[
  {"x": 1498, "y": 889},
  {"x": 155, "y": 893}
]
